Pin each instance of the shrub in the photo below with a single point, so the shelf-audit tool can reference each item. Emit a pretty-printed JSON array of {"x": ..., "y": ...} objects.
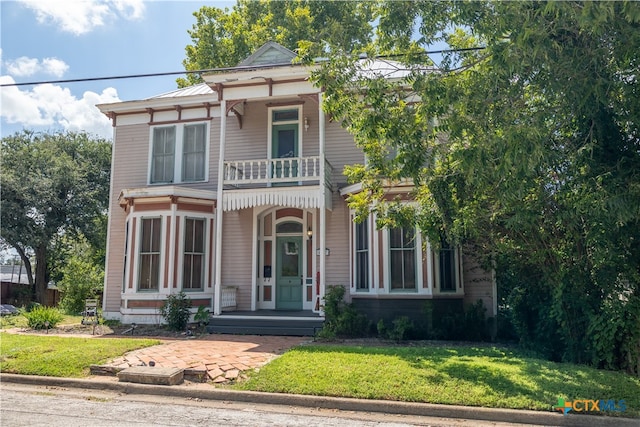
[
  {"x": 202, "y": 316},
  {"x": 341, "y": 319},
  {"x": 402, "y": 329},
  {"x": 176, "y": 311},
  {"x": 40, "y": 317}
]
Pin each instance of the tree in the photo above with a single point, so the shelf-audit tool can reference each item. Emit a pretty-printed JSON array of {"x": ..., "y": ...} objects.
[
  {"x": 52, "y": 184},
  {"x": 528, "y": 146},
  {"x": 81, "y": 279},
  {"x": 223, "y": 37}
]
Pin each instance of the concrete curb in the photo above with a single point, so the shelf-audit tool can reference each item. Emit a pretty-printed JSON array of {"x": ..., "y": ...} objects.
[{"x": 345, "y": 404}]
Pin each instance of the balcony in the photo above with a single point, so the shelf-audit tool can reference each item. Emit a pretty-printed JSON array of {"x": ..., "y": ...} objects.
[
  {"x": 291, "y": 181},
  {"x": 289, "y": 171}
]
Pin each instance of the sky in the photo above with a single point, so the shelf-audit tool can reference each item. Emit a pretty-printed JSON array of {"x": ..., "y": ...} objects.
[{"x": 48, "y": 40}]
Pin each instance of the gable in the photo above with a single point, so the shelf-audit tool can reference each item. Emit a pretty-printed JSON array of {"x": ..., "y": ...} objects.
[{"x": 270, "y": 53}]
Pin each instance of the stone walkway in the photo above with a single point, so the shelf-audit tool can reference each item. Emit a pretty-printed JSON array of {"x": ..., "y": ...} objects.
[{"x": 220, "y": 358}]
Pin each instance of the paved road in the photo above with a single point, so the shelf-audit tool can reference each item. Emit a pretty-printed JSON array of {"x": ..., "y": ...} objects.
[{"x": 28, "y": 405}]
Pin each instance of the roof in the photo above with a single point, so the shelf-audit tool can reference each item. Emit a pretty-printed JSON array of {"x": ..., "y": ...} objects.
[
  {"x": 270, "y": 53},
  {"x": 199, "y": 89}
]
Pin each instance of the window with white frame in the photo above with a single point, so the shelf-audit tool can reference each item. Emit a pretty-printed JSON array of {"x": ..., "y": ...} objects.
[
  {"x": 179, "y": 153},
  {"x": 361, "y": 237},
  {"x": 194, "y": 254},
  {"x": 402, "y": 258},
  {"x": 150, "y": 244}
]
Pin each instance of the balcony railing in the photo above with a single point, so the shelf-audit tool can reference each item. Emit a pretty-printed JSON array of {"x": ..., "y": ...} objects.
[{"x": 289, "y": 170}]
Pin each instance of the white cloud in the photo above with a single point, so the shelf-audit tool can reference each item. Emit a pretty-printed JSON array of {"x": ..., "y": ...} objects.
[
  {"x": 82, "y": 16},
  {"x": 55, "y": 107},
  {"x": 25, "y": 67}
]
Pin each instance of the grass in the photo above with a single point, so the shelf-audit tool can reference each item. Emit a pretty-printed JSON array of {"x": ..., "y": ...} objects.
[
  {"x": 474, "y": 376},
  {"x": 19, "y": 321},
  {"x": 61, "y": 356}
]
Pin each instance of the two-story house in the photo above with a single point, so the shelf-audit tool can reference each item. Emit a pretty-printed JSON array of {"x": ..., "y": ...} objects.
[{"x": 232, "y": 191}]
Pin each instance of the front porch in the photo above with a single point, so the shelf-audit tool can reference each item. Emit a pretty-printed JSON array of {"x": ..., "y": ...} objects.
[{"x": 267, "y": 322}]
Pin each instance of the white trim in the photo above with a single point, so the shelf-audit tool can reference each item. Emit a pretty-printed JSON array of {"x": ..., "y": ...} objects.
[
  {"x": 172, "y": 247},
  {"x": 254, "y": 265},
  {"x": 217, "y": 287},
  {"x": 166, "y": 190},
  {"x": 306, "y": 197}
]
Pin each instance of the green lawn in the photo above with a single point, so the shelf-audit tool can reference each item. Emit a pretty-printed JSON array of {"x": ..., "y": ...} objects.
[
  {"x": 61, "y": 356},
  {"x": 475, "y": 376}
]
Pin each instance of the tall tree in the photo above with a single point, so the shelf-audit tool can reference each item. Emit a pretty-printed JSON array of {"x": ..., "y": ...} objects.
[
  {"x": 223, "y": 37},
  {"x": 529, "y": 147},
  {"x": 52, "y": 184}
]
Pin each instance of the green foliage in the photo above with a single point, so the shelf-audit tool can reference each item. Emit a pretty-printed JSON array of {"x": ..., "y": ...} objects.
[
  {"x": 225, "y": 37},
  {"x": 468, "y": 325},
  {"x": 341, "y": 319},
  {"x": 526, "y": 147},
  {"x": 402, "y": 329},
  {"x": 40, "y": 317},
  {"x": 52, "y": 184},
  {"x": 176, "y": 311},
  {"x": 81, "y": 279},
  {"x": 202, "y": 316}
]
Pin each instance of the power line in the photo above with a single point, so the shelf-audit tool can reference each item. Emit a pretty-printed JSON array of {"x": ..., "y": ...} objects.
[{"x": 210, "y": 70}]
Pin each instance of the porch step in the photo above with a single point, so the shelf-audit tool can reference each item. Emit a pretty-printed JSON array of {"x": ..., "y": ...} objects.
[{"x": 262, "y": 326}]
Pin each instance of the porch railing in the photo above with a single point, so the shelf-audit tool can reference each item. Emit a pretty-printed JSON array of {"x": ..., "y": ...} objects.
[{"x": 291, "y": 170}]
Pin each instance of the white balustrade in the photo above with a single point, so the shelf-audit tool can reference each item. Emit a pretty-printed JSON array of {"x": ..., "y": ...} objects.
[{"x": 266, "y": 171}]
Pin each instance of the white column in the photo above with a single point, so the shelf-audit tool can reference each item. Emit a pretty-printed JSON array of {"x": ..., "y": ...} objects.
[
  {"x": 323, "y": 210},
  {"x": 217, "y": 288},
  {"x": 172, "y": 249},
  {"x": 254, "y": 264}
]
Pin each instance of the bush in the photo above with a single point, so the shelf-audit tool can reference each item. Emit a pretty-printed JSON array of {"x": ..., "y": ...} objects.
[
  {"x": 403, "y": 329},
  {"x": 202, "y": 316},
  {"x": 176, "y": 311},
  {"x": 341, "y": 319},
  {"x": 40, "y": 317}
]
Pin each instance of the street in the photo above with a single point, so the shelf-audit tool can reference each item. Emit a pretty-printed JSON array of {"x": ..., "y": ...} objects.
[{"x": 26, "y": 405}]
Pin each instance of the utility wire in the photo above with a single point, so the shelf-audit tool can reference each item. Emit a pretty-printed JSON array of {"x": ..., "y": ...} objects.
[{"x": 210, "y": 70}]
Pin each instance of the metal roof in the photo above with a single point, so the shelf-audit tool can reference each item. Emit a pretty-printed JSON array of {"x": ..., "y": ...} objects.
[{"x": 199, "y": 89}]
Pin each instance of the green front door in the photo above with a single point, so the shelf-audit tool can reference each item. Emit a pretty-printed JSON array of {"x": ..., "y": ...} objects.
[
  {"x": 285, "y": 146},
  {"x": 289, "y": 273}
]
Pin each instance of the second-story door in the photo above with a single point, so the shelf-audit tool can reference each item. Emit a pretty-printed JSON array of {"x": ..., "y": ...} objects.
[{"x": 285, "y": 150}]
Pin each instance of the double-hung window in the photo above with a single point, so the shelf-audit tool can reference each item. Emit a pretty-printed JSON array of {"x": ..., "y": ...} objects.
[
  {"x": 149, "y": 267},
  {"x": 402, "y": 258},
  {"x": 193, "y": 153},
  {"x": 447, "y": 267},
  {"x": 163, "y": 154},
  {"x": 362, "y": 255},
  {"x": 194, "y": 254},
  {"x": 178, "y": 153}
]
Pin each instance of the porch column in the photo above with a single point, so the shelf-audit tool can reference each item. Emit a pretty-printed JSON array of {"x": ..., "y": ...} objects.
[
  {"x": 323, "y": 210},
  {"x": 217, "y": 287}
]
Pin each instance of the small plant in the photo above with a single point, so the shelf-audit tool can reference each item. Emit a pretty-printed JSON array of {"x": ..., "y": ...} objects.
[
  {"x": 176, "y": 311},
  {"x": 402, "y": 329},
  {"x": 341, "y": 319},
  {"x": 202, "y": 316},
  {"x": 43, "y": 317}
]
